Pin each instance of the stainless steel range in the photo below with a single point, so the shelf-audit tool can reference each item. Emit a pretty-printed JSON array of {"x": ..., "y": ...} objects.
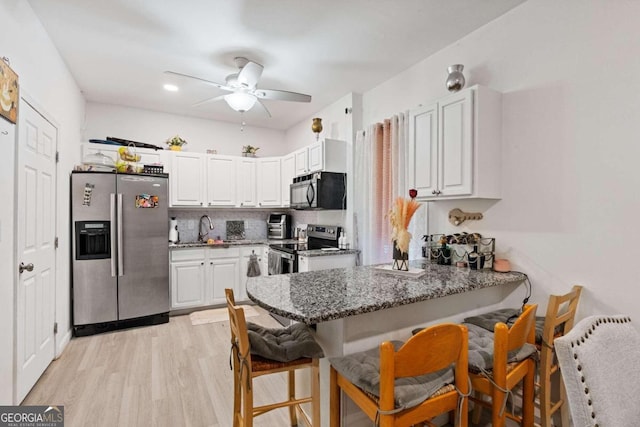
[{"x": 283, "y": 257}]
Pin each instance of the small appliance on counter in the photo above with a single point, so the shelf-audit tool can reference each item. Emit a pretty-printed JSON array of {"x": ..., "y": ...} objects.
[
  {"x": 174, "y": 236},
  {"x": 279, "y": 226}
]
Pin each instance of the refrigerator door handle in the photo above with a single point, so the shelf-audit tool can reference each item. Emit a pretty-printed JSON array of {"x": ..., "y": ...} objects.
[
  {"x": 112, "y": 218},
  {"x": 120, "y": 236}
]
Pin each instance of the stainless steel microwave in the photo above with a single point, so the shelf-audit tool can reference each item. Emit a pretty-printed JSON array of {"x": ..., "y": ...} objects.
[{"x": 319, "y": 190}]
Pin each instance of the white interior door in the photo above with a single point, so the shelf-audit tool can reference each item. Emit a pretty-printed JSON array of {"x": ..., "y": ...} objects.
[{"x": 36, "y": 219}]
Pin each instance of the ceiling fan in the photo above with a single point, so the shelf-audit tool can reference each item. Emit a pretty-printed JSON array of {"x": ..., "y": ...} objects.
[{"x": 242, "y": 85}]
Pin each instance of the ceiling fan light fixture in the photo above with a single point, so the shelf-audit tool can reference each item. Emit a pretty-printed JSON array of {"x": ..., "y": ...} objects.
[{"x": 240, "y": 101}]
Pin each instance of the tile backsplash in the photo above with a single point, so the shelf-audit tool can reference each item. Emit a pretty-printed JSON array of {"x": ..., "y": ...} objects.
[
  {"x": 255, "y": 223},
  {"x": 225, "y": 221}
]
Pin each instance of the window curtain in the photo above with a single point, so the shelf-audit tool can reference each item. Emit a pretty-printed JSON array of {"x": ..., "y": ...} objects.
[{"x": 380, "y": 177}]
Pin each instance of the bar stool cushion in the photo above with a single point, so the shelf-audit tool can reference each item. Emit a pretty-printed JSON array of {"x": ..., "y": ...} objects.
[
  {"x": 507, "y": 316},
  {"x": 363, "y": 370},
  {"x": 283, "y": 344},
  {"x": 481, "y": 350}
]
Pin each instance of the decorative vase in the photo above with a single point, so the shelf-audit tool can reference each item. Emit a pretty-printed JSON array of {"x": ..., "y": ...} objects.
[
  {"x": 455, "y": 79},
  {"x": 316, "y": 126},
  {"x": 400, "y": 259},
  {"x": 175, "y": 148}
]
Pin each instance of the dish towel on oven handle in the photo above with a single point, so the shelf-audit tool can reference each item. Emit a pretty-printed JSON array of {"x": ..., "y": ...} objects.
[{"x": 253, "y": 267}]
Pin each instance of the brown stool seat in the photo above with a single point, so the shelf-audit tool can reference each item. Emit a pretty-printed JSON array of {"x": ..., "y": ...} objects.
[
  {"x": 259, "y": 364},
  {"x": 505, "y": 376},
  {"x": 404, "y": 384},
  {"x": 247, "y": 366}
]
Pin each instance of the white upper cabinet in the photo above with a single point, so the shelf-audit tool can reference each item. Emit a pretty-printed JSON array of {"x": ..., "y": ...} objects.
[
  {"x": 187, "y": 179},
  {"x": 302, "y": 162},
  {"x": 454, "y": 146},
  {"x": 316, "y": 157},
  {"x": 327, "y": 155},
  {"x": 246, "y": 182},
  {"x": 287, "y": 173},
  {"x": 221, "y": 173},
  {"x": 269, "y": 182}
]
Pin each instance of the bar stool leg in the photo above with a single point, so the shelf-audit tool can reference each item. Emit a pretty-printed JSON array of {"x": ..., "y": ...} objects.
[
  {"x": 497, "y": 399},
  {"x": 528, "y": 394},
  {"x": 292, "y": 396},
  {"x": 247, "y": 400},
  {"x": 315, "y": 392},
  {"x": 564, "y": 409},
  {"x": 334, "y": 399}
]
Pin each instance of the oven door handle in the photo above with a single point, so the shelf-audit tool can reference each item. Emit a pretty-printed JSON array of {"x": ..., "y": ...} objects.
[{"x": 311, "y": 194}]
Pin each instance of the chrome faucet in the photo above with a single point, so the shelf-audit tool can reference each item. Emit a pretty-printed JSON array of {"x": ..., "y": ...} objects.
[{"x": 202, "y": 235}]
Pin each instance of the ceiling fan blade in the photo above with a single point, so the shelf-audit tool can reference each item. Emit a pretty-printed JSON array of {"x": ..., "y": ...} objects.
[
  {"x": 206, "y": 101},
  {"x": 264, "y": 107},
  {"x": 218, "y": 85},
  {"x": 282, "y": 95},
  {"x": 250, "y": 74}
]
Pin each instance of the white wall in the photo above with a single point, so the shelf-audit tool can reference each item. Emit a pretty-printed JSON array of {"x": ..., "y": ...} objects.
[
  {"x": 43, "y": 77},
  {"x": 153, "y": 127},
  {"x": 570, "y": 75},
  {"x": 336, "y": 124}
]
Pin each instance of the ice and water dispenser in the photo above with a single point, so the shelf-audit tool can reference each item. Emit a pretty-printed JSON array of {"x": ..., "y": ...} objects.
[{"x": 93, "y": 240}]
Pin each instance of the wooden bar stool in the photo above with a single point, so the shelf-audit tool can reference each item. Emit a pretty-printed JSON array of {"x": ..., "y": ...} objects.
[
  {"x": 561, "y": 312},
  {"x": 247, "y": 366},
  {"x": 504, "y": 376},
  {"x": 396, "y": 365}
]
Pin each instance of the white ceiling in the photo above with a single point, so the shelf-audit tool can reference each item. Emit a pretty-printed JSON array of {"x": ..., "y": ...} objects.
[{"x": 117, "y": 50}]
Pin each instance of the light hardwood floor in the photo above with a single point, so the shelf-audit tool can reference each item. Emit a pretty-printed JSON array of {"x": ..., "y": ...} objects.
[{"x": 173, "y": 375}]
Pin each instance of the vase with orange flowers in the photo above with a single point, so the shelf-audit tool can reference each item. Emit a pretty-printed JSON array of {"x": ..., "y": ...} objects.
[{"x": 400, "y": 217}]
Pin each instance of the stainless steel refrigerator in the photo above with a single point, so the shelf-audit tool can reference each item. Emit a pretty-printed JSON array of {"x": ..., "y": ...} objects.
[{"x": 120, "y": 251}]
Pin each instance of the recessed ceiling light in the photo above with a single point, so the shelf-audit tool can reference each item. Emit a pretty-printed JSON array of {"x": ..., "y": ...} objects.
[{"x": 170, "y": 88}]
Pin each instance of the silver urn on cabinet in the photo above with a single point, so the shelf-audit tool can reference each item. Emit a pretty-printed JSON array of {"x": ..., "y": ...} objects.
[{"x": 455, "y": 79}]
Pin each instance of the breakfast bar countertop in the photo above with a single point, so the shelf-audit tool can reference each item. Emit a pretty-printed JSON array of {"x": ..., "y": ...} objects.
[{"x": 324, "y": 295}]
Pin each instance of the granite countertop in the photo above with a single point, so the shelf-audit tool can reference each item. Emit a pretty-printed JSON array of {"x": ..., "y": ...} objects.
[
  {"x": 234, "y": 243},
  {"x": 320, "y": 252},
  {"x": 225, "y": 244},
  {"x": 319, "y": 296}
]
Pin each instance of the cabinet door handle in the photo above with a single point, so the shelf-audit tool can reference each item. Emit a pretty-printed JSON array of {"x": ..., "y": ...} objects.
[
  {"x": 241, "y": 203},
  {"x": 200, "y": 203},
  {"x": 433, "y": 192},
  {"x": 202, "y": 263}
]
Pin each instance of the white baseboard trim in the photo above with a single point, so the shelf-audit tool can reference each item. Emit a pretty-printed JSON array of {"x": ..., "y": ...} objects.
[{"x": 62, "y": 343}]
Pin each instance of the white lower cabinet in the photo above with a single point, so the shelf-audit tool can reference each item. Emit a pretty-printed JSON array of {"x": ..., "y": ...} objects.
[
  {"x": 188, "y": 278},
  {"x": 223, "y": 273},
  {"x": 315, "y": 263},
  {"x": 200, "y": 276}
]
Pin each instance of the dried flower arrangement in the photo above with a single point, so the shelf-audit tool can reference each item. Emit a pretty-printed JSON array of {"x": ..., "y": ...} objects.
[{"x": 400, "y": 217}]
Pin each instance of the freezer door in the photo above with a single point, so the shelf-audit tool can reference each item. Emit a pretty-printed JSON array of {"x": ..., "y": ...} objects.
[
  {"x": 143, "y": 248},
  {"x": 94, "y": 281}
]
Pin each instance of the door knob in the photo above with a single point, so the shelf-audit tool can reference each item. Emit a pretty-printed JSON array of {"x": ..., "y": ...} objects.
[{"x": 28, "y": 267}]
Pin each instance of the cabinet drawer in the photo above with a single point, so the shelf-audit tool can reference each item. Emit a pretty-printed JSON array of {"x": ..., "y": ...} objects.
[
  {"x": 215, "y": 253},
  {"x": 187, "y": 254}
]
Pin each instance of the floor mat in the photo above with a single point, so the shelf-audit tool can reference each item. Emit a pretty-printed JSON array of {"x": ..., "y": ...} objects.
[{"x": 218, "y": 315}]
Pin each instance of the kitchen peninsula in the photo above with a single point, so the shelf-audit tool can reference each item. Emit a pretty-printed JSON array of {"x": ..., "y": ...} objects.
[{"x": 354, "y": 309}]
